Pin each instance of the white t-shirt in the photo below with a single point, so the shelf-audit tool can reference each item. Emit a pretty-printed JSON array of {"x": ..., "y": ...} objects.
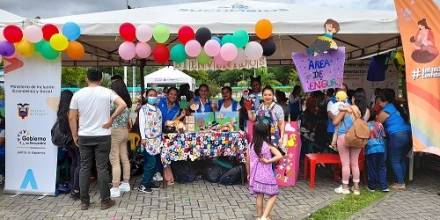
[
  {"x": 228, "y": 109},
  {"x": 93, "y": 105},
  {"x": 334, "y": 107}
]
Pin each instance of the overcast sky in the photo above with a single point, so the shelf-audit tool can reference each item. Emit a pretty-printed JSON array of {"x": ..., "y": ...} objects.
[{"x": 53, "y": 8}]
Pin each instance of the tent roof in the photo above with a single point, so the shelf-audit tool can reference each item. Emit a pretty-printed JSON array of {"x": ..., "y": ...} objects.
[
  {"x": 9, "y": 18},
  {"x": 168, "y": 75},
  {"x": 363, "y": 32},
  {"x": 225, "y": 16}
]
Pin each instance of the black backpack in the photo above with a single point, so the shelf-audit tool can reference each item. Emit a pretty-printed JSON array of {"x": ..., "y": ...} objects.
[
  {"x": 183, "y": 171},
  {"x": 59, "y": 138}
]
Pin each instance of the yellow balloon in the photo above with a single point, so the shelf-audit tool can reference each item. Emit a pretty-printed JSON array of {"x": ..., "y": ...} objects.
[
  {"x": 59, "y": 42},
  {"x": 25, "y": 48},
  {"x": 399, "y": 57}
]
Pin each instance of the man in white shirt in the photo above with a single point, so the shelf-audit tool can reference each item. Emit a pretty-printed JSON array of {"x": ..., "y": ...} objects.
[{"x": 91, "y": 107}]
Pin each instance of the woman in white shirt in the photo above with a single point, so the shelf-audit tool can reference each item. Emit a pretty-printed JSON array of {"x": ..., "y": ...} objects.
[{"x": 227, "y": 104}]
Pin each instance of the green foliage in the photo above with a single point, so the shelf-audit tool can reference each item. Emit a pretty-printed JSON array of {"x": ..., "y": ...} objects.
[
  {"x": 73, "y": 77},
  {"x": 347, "y": 206}
]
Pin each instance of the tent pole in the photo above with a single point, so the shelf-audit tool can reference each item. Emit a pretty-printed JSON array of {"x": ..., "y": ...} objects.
[{"x": 142, "y": 65}]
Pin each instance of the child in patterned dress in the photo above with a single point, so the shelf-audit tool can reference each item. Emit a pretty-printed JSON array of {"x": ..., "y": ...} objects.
[{"x": 261, "y": 154}]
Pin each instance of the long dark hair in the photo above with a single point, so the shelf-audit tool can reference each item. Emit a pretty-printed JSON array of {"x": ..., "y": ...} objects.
[
  {"x": 261, "y": 135},
  {"x": 360, "y": 100},
  {"x": 121, "y": 89},
  {"x": 63, "y": 110}
]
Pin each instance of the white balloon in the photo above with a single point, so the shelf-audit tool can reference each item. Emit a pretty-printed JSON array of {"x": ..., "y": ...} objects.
[
  {"x": 144, "y": 33},
  {"x": 253, "y": 50},
  {"x": 33, "y": 33},
  {"x": 2, "y": 38}
]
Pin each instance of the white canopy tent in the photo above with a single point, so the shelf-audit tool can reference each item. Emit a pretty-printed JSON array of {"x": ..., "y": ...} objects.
[
  {"x": 363, "y": 32},
  {"x": 9, "y": 18},
  {"x": 169, "y": 75}
]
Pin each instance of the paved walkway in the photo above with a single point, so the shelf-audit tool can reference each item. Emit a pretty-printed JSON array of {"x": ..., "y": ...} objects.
[
  {"x": 199, "y": 200},
  {"x": 420, "y": 201}
]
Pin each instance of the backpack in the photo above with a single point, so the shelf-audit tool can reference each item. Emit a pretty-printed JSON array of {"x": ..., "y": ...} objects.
[
  {"x": 183, "y": 172},
  {"x": 213, "y": 173},
  {"x": 358, "y": 135},
  {"x": 59, "y": 138}
]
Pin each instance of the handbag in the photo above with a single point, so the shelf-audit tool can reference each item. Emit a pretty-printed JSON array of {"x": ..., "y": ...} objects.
[{"x": 357, "y": 136}]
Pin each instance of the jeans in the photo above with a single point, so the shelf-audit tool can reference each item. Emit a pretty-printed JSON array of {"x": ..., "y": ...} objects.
[
  {"x": 94, "y": 148},
  {"x": 398, "y": 148},
  {"x": 74, "y": 168},
  {"x": 149, "y": 169},
  {"x": 377, "y": 171}
]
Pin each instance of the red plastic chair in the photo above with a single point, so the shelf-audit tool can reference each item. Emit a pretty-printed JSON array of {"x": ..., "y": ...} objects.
[{"x": 326, "y": 158}]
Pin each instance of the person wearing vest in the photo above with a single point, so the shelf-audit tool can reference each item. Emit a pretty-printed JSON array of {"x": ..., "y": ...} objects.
[
  {"x": 255, "y": 96},
  {"x": 399, "y": 136},
  {"x": 170, "y": 109},
  {"x": 272, "y": 113},
  {"x": 349, "y": 155},
  {"x": 227, "y": 104},
  {"x": 203, "y": 102},
  {"x": 150, "y": 127}
]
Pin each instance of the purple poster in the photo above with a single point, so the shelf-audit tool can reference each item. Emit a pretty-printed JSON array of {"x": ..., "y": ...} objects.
[{"x": 320, "y": 72}]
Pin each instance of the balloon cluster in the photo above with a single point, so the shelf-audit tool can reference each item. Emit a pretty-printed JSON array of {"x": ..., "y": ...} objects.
[
  {"x": 200, "y": 44},
  {"x": 46, "y": 40}
]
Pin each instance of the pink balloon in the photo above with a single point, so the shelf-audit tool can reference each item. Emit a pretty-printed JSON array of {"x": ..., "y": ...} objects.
[
  {"x": 212, "y": 48},
  {"x": 241, "y": 57},
  {"x": 2, "y": 38},
  {"x": 127, "y": 50},
  {"x": 253, "y": 50},
  {"x": 33, "y": 33},
  {"x": 143, "y": 50},
  {"x": 218, "y": 60},
  {"x": 144, "y": 33},
  {"x": 228, "y": 52},
  {"x": 193, "y": 48}
]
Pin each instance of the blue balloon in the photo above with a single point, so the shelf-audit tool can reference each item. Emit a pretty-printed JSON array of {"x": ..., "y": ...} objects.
[
  {"x": 71, "y": 30},
  {"x": 217, "y": 39}
]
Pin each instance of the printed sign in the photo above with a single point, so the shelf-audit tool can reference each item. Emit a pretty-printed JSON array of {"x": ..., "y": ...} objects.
[{"x": 320, "y": 72}]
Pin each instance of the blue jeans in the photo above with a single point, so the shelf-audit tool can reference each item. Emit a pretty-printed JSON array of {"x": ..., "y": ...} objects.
[
  {"x": 398, "y": 148},
  {"x": 377, "y": 171},
  {"x": 149, "y": 168}
]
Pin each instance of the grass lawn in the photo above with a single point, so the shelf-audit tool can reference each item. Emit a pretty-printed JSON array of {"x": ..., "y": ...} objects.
[{"x": 347, "y": 206}]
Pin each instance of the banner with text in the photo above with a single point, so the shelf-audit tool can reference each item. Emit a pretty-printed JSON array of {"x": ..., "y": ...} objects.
[
  {"x": 194, "y": 65},
  {"x": 419, "y": 25},
  {"x": 320, "y": 72},
  {"x": 32, "y": 90}
]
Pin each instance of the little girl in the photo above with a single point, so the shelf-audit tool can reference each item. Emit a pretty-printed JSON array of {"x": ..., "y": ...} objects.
[{"x": 259, "y": 168}]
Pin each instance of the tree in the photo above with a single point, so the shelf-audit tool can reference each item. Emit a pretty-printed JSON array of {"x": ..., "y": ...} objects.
[{"x": 73, "y": 77}]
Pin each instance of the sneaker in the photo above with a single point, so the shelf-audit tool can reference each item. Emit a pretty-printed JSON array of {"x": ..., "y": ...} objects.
[
  {"x": 341, "y": 190},
  {"x": 386, "y": 190},
  {"x": 356, "y": 192},
  {"x": 157, "y": 177},
  {"x": 371, "y": 190},
  {"x": 115, "y": 192},
  {"x": 107, "y": 204},
  {"x": 154, "y": 186},
  {"x": 124, "y": 187},
  {"x": 74, "y": 194},
  {"x": 144, "y": 189}
]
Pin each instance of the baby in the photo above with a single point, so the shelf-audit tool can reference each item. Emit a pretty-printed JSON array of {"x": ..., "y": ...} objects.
[{"x": 340, "y": 105}]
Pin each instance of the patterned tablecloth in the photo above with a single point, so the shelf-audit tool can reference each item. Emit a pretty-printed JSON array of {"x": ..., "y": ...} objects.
[{"x": 199, "y": 145}]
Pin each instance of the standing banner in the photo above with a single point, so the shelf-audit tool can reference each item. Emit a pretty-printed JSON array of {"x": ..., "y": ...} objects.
[
  {"x": 320, "y": 72},
  {"x": 287, "y": 169},
  {"x": 419, "y": 25},
  {"x": 32, "y": 90}
]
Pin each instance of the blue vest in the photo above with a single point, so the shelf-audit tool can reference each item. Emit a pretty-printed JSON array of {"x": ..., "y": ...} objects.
[
  {"x": 234, "y": 104},
  {"x": 207, "y": 105}
]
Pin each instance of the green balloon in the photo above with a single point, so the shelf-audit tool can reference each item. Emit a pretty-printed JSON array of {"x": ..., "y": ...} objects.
[
  {"x": 39, "y": 45},
  {"x": 228, "y": 39},
  {"x": 161, "y": 33},
  {"x": 241, "y": 37},
  {"x": 48, "y": 52},
  {"x": 178, "y": 53},
  {"x": 203, "y": 58}
]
